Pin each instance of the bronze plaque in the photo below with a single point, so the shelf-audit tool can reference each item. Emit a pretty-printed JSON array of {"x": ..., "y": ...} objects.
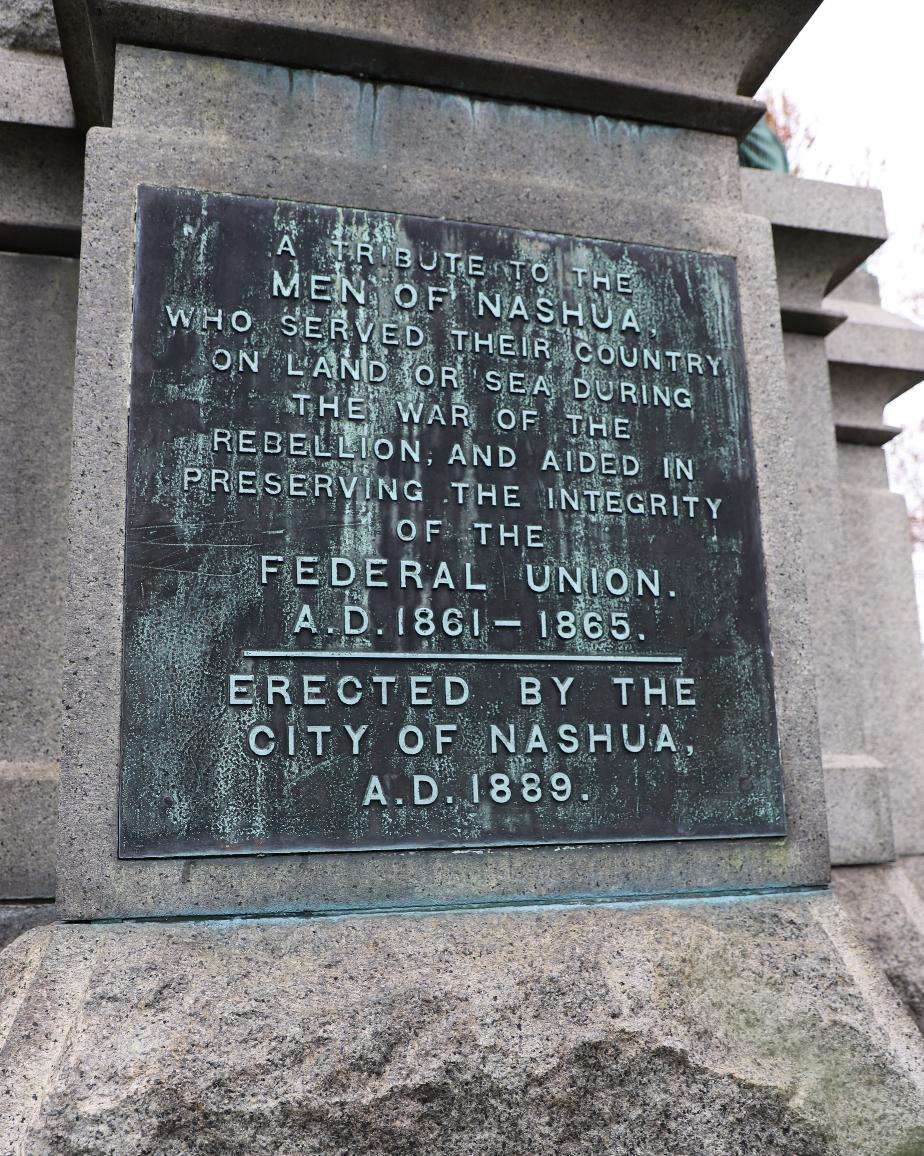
[{"x": 438, "y": 535}]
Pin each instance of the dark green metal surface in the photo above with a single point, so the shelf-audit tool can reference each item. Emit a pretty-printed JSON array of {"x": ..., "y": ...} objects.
[{"x": 669, "y": 567}]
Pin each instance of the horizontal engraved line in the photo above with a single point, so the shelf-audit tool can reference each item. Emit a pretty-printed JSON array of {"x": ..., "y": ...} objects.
[{"x": 442, "y": 656}]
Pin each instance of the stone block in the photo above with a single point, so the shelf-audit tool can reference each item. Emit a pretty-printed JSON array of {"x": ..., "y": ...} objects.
[
  {"x": 411, "y": 151},
  {"x": 34, "y": 90},
  {"x": 36, "y": 375},
  {"x": 38, "y": 303},
  {"x": 198, "y": 103},
  {"x": 830, "y": 590},
  {"x": 28, "y": 825},
  {"x": 860, "y": 393},
  {"x": 821, "y": 208},
  {"x": 821, "y": 232},
  {"x": 859, "y": 810},
  {"x": 41, "y": 189},
  {"x": 15, "y": 918},
  {"x": 757, "y": 1025},
  {"x": 860, "y": 286},
  {"x": 873, "y": 357},
  {"x": 874, "y": 337},
  {"x": 875, "y": 523}
]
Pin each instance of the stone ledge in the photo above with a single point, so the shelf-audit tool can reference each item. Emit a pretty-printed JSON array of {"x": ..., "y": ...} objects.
[
  {"x": 33, "y": 90},
  {"x": 582, "y": 56},
  {"x": 821, "y": 233},
  {"x": 41, "y": 189},
  {"x": 873, "y": 357},
  {"x": 822, "y": 207},
  {"x": 874, "y": 337}
]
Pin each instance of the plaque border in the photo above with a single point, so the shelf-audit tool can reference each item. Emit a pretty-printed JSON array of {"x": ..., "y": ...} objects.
[{"x": 485, "y": 843}]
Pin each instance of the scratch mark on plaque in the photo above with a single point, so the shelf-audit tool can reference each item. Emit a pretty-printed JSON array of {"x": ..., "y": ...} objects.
[
  {"x": 209, "y": 545},
  {"x": 180, "y": 570}
]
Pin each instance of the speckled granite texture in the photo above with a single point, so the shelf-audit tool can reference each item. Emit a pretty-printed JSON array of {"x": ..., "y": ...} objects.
[
  {"x": 29, "y": 25},
  {"x": 715, "y": 1028}
]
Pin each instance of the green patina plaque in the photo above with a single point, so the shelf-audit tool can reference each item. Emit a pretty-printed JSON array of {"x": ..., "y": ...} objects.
[{"x": 438, "y": 534}]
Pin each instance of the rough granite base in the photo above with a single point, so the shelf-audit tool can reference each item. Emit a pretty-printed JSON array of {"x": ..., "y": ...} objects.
[{"x": 721, "y": 1027}]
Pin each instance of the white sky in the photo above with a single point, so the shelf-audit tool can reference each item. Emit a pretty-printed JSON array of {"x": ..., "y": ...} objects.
[{"x": 855, "y": 73}]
